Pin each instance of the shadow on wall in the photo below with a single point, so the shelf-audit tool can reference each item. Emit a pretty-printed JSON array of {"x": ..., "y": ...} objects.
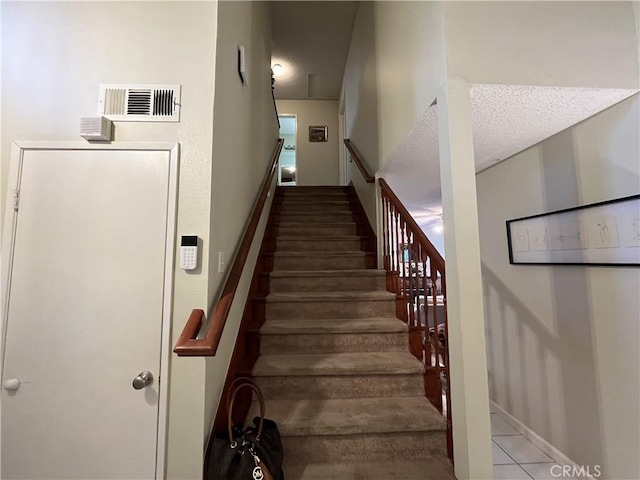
[
  {"x": 548, "y": 376},
  {"x": 571, "y": 295},
  {"x": 531, "y": 352}
]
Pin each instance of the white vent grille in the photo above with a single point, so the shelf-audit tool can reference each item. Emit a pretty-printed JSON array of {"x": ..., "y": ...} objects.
[{"x": 140, "y": 103}]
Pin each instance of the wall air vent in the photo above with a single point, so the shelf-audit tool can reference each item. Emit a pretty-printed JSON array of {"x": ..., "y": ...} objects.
[{"x": 140, "y": 103}]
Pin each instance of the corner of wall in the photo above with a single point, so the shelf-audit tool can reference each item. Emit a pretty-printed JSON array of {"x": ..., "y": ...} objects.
[{"x": 245, "y": 131}]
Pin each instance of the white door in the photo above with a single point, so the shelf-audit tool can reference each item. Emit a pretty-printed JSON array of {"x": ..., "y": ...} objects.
[{"x": 86, "y": 298}]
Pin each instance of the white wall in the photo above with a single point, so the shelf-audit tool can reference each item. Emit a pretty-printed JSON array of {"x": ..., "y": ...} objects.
[
  {"x": 360, "y": 90},
  {"x": 360, "y": 87},
  {"x": 562, "y": 341},
  {"x": 395, "y": 69},
  {"x": 244, "y": 136},
  {"x": 316, "y": 162},
  {"x": 573, "y": 44},
  {"x": 411, "y": 66},
  {"x": 54, "y": 55}
]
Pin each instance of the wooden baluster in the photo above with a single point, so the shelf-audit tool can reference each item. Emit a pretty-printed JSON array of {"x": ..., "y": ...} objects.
[
  {"x": 403, "y": 267},
  {"x": 391, "y": 236},
  {"x": 391, "y": 280},
  {"x": 447, "y": 389},
  {"x": 384, "y": 231},
  {"x": 409, "y": 283},
  {"x": 425, "y": 327},
  {"x": 428, "y": 309},
  {"x": 446, "y": 323},
  {"x": 418, "y": 305},
  {"x": 436, "y": 343},
  {"x": 388, "y": 222},
  {"x": 436, "y": 322},
  {"x": 397, "y": 252},
  {"x": 415, "y": 285},
  {"x": 404, "y": 234}
]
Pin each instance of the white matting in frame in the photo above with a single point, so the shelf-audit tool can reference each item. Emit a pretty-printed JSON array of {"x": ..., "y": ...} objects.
[{"x": 605, "y": 233}]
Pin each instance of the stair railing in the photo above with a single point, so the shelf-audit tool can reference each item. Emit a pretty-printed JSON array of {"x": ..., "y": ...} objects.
[
  {"x": 355, "y": 156},
  {"x": 416, "y": 273},
  {"x": 188, "y": 344}
]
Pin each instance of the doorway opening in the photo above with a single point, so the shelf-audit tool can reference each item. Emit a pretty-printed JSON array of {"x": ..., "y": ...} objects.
[
  {"x": 342, "y": 134},
  {"x": 287, "y": 173}
]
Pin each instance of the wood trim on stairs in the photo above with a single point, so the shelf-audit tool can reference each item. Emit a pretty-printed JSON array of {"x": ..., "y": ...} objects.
[
  {"x": 359, "y": 162},
  {"x": 407, "y": 252},
  {"x": 364, "y": 226},
  {"x": 188, "y": 344},
  {"x": 247, "y": 347}
]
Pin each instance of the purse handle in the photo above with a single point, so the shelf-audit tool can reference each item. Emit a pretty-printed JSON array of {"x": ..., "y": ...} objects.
[{"x": 237, "y": 385}]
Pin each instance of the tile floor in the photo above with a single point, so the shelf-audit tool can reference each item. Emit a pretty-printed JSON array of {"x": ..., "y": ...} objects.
[{"x": 515, "y": 457}]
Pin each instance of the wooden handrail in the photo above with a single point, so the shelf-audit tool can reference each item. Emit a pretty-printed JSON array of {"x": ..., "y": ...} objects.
[
  {"x": 188, "y": 345},
  {"x": 417, "y": 273},
  {"x": 436, "y": 258},
  {"x": 358, "y": 161}
]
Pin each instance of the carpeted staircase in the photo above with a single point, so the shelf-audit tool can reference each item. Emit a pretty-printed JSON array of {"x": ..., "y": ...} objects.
[{"x": 334, "y": 364}]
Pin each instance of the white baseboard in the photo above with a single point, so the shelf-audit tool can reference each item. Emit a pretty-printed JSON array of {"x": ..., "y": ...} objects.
[{"x": 534, "y": 438}]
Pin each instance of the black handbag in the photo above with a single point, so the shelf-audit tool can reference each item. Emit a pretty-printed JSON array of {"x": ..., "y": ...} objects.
[{"x": 254, "y": 453}]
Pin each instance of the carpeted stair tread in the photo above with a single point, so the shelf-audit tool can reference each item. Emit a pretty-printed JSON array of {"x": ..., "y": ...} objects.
[
  {"x": 321, "y": 203},
  {"x": 300, "y": 202},
  {"x": 363, "y": 272},
  {"x": 320, "y": 243},
  {"x": 315, "y": 218},
  {"x": 312, "y": 196},
  {"x": 329, "y": 296},
  {"x": 315, "y": 225},
  {"x": 307, "y": 188},
  {"x": 315, "y": 190},
  {"x": 312, "y": 230},
  {"x": 370, "y": 363},
  {"x": 352, "y": 416},
  {"x": 326, "y": 238},
  {"x": 333, "y": 325},
  {"x": 424, "y": 469},
  {"x": 312, "y": 213},
  {"x": 334, "y": 254}
]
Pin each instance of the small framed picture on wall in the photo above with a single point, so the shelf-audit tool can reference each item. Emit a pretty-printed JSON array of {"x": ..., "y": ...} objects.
[{"x": 318, "y": 133}]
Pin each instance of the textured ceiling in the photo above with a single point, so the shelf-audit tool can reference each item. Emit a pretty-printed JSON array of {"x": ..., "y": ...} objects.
[
  {"x": 509, "y": 118},
  {"x": 311, "y": 41},
  {"x": 413, "y": 170},
  {"x": 506, "y": 120}
]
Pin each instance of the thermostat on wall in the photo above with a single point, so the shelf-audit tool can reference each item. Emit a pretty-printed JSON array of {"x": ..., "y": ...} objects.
[{"x": 96, "y": 129}]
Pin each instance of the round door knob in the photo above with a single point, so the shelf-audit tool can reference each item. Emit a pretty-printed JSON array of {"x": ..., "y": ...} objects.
[
  {"x": 143, "y": 379},
  {"x": 11, "y": 384}
]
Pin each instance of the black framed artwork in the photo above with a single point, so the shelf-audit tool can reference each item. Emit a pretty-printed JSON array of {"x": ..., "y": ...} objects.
[{"x": 605, "y": 233}]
